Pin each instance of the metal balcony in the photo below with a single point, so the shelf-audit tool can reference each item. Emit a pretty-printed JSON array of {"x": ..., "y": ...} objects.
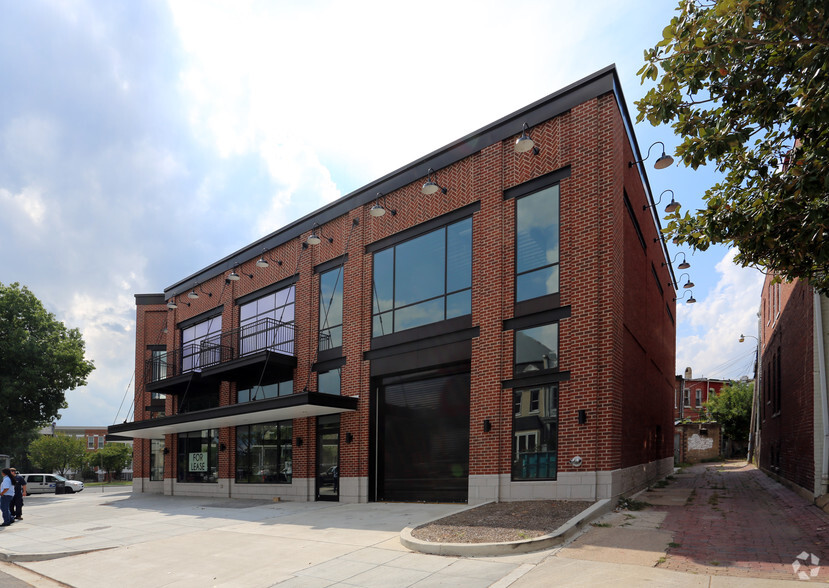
[{"x": 264, "y": 348}]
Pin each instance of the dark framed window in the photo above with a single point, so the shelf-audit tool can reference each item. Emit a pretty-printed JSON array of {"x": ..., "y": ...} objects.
[
  {"x": 536, "y": 348},
  {"x": 267, "y": 323},
  {"x": 329, "y": 382},
  {"x": 198, "y": 456},
  {"x": 156, "y": 460},
  {"x": 535, "y": 433},
  {"x": 201, "y": 344},
  {"x": 331, "y": 309},
  {"x": 537, "y": 244},
  {"x": 423, "y": 280},
  {"x": 264, "y": 453},
  {"x": 267, "y": 391}
]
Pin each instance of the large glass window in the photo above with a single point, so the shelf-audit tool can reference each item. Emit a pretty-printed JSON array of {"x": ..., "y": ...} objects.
[
  {"x": 263, "y": 392},
  {"x": 537, "y": 244},
  {"x": 201, "y": 344},
  {"x": 267, "y": 323},
  {"x": 536, "y": 349},
  {"x": 159, "y": 364},
  {"x": 264, "y": 453},
  {"x": 198, "y": 456},
  {"x": 331, "y": 309},
  {"x": 156, "y": 459},
  {"x": 423, "y": 280},
  {"x": 535, "y": 433},
  {"x": 329, "y": 382}
]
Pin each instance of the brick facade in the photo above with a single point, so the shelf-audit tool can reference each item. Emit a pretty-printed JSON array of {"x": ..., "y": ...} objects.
[
  {"x": 791, "y": 395},
  {"x": 616, "y": 305}
]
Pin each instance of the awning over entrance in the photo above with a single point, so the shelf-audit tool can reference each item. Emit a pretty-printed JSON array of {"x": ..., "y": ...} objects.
[{"x": 292, "y": 406}]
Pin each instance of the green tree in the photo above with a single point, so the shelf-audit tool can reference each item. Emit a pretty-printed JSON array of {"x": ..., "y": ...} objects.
[
  {"x": 39, "y": 360},
  {"x": 58, "y": 453},
  {"x": 732, "y": 409},
  {"x": 114, "y": 458},
  {"x": 745, "y": 84}
]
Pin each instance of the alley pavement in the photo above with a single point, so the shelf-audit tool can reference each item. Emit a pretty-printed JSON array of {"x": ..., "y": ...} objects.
[{"x": 719, "y": 525}]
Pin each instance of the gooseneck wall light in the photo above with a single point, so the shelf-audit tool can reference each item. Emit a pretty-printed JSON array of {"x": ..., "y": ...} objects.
[
  {"x": 661, "y": 163},
  {"x": 316, "y": 236},
  {"x": 691, "y": 300},
  {"x": 431, "y": 186},
  {"x": 524, "y": 143},
  {"x": 171, "y": 303},
  {"x": 671, "y": 207},
  {"x": 683, "y": 266},
  {"x": 378, "y": 209},
  {"x": 263, "y": 262},
  {"x": 688, "y": 284}
]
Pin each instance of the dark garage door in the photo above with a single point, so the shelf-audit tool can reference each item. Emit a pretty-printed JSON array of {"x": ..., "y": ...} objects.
[{"x": 423, "y": 439}]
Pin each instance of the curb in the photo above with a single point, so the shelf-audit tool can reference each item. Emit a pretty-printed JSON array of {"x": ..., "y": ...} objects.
[
  {"x": 27, "y": 557},
  {"x": 553, "y": 539}
]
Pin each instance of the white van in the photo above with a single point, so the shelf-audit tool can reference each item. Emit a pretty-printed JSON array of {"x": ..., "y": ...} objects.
[{"x": 45, "y": 483}]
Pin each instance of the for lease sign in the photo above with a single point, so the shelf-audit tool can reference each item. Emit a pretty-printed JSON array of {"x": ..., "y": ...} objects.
[{"x": 198, "y": 462}]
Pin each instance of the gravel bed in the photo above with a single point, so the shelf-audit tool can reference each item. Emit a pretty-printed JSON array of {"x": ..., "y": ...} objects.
[{"x": 501, "y": 521}]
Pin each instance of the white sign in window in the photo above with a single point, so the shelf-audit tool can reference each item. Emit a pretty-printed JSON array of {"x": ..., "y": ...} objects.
[{"x": 198, "y": 462}]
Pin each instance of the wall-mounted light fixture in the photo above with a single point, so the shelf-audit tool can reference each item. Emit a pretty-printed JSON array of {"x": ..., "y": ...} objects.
[
  {"x": 222, "y": 447},
  {"x": 316, "y": 236},
  {"x": 171, "y": 303},
  {"x": 299, "y": 441},
  {"x": 743, "y": 338},
  {"x": 487, "y": 425},
  {"x": 661, "y": 163},
  {"x": 193, "y": 295},
  {"x": 582, "y": 416},
  {"x": 166, "y": 451},
  {"x": 262, "y": 262},
  {"x": 524, "y": 143},
  {"x": 672, "y": 206},
  {"x": 349, "y": 438},
  {"x": 431, "y": 186},
  {"x": 684, "y": 265},
  {"x": 234, "y": 277},
  {"x": 380, "y": 209},
  {"x": 691, "y": 300}
]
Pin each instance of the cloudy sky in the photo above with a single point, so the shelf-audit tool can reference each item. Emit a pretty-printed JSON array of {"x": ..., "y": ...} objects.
[{"x": 140, "y": 141}]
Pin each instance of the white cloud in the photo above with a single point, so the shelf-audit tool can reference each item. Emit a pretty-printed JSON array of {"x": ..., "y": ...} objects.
[{"x": 707, "y": 340}]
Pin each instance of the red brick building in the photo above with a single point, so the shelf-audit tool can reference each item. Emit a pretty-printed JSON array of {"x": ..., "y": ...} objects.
[
  {"x": 690, "y": 394},
  {"x": 792, "y": 420},
  {"x": 485, "y": 323}
]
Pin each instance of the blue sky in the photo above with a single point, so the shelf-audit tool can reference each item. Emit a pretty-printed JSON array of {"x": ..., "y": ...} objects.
[{"x": 140, "y": 141}]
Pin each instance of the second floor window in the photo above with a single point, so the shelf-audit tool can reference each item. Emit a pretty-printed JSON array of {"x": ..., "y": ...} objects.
[
  {"x": 423, "y": 280},
  {"x": 331, "y": 309},
  {"x": 201, "y": 344},
  {"x": 536, "y": 244},
  {"x": 262, "y": 321}
]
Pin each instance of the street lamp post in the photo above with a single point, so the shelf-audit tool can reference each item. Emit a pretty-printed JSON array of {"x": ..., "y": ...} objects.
[{"x": 754, "y": 400}]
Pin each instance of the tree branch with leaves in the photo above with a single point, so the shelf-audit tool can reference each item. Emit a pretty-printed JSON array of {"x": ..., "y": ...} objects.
[{"x": 745, "y": 84}]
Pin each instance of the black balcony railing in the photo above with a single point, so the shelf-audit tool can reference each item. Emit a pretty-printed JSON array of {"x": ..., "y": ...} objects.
[{"x": 263, "y": 335}]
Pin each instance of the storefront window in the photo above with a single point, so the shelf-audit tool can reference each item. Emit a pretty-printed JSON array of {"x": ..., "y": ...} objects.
[
  {"x": 198, "y": 456},
  {"x": 264, "y": 453},
  {"x": 156, "y": 460},
  {"x": 535, "y": 433}
]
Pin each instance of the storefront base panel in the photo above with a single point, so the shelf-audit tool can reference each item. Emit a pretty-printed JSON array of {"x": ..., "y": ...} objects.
[
  {"x": 569, "y": 485},
  {"x": 145, "y": 485},
  {"x": 354, "y": 490}
]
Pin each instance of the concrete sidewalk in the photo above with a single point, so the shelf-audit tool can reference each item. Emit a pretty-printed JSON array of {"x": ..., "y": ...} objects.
[{"x": 92, "y": 539}]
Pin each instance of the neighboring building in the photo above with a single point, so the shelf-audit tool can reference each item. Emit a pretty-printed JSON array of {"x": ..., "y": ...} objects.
[
  {"x": 504, "y": 331},
  {"x": 695, "y": 442},
  {"x": 95, "y": 438},
  {"x": 690, "y": 395},
  {"x": 791, "y": 397}
]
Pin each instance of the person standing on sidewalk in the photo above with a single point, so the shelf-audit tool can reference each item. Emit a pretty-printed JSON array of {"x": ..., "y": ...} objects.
[
  {"x": 19, "y": 492},
  {"x": 6, "y": 495}
]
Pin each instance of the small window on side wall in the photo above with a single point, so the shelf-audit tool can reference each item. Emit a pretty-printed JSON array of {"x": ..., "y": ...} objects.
[{"x": 536, "y": 349}]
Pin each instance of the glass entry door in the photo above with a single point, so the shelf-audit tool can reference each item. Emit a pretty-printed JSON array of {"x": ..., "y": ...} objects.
[{"x": 328, "y": 457}]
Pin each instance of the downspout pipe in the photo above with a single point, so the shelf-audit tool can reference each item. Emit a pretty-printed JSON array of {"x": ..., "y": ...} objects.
[{"x": 824, "y": 393}]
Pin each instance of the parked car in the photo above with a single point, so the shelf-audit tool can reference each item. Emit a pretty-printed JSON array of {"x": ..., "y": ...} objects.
[{"x": 45, "y": 483}]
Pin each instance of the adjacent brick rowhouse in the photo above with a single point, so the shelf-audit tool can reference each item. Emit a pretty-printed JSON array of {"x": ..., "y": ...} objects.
[
  {"x": 791, "y": 396},
  {"x": 691, "y": 394},
  {"x": 615, "y": 307}
]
